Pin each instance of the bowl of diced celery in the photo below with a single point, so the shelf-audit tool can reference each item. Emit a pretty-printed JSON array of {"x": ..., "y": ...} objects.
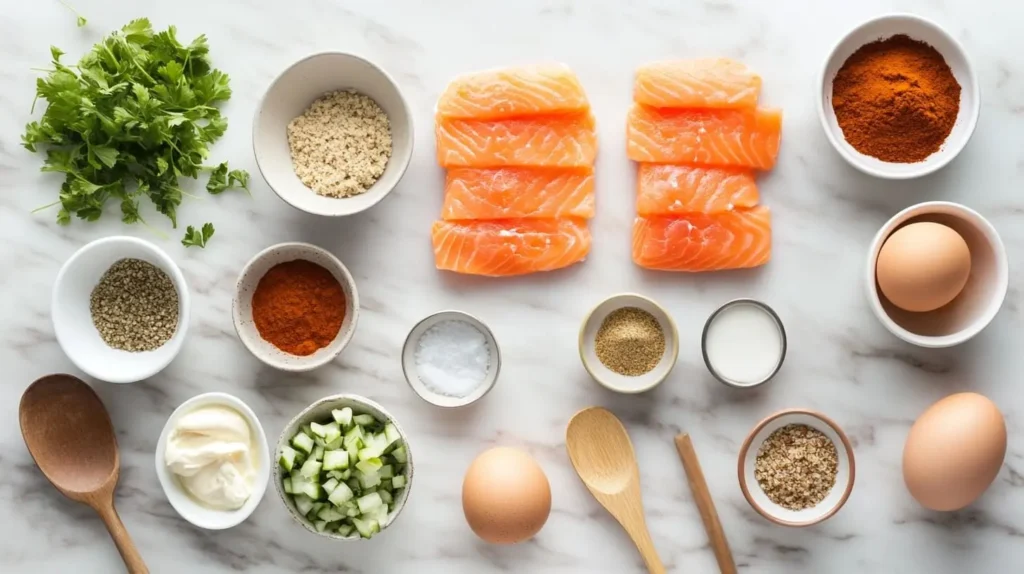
[{"x": 343, "y": 468}]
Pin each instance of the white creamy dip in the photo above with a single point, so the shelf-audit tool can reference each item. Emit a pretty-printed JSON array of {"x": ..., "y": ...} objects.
[{"x": 210, "y": 450}]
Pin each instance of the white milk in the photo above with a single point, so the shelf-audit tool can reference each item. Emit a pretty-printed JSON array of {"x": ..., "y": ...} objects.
[{"x": 744, "y": 344}]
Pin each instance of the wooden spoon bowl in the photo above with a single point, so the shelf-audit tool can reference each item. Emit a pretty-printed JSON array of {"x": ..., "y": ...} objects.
[
  {"x": 69, "y": 434},
  {"x": 602, "y": 454}
]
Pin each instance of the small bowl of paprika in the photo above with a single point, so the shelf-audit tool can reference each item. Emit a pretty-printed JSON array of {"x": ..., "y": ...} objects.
[
  {"x": 899, "y": 97},
  {"x": 295, "y": 306}
]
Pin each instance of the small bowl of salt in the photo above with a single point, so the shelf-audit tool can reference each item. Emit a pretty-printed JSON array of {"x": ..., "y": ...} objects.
[{"x": 451, "y": 359}]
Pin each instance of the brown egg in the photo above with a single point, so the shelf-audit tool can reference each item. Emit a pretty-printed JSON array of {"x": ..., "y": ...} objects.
[
  {"x": 923, "y": 266},
  {"x": 505, "y": 496},
  {"x": 954, "y": 451}
]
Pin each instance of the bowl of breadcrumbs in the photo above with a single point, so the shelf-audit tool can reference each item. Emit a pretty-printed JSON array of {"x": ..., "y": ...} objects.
[
  {"x": 796, "y": 468},
  {"x": 333, "y": 134}
]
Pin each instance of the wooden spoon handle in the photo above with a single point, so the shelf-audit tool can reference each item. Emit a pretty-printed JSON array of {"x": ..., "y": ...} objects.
[
  {"x": 129, "y": 553},
  {"x": 702, "y": 496},
  {"x": 642, "y": 538}
]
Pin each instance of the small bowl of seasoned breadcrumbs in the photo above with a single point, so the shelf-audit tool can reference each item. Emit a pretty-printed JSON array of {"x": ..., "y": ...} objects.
[
  {"x": 295, "y": 306},
  {"x": 333, "y": 135}
]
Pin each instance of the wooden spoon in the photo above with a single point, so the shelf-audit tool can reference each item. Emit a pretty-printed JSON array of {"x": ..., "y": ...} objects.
[
  {"x": 68, "y": 433},
  {"x": 603, "y": 457},
  {"x": 702, "y": 496}
]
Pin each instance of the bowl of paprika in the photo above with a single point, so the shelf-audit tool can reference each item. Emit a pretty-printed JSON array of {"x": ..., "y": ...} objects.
[
  {"x": 899, "y": 98},
  {"x": 295, "y": 306}
]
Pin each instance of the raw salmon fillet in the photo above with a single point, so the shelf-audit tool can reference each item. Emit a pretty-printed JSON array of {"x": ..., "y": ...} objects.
[
  {"x": 510, "y": 92},
  {"x": 707, "y": 83},
  {"x": 743, "y": 138},
  {"x": 703, "y": 242},
  {"x": 510, "y": 246},
  {"x": 664, "y": 189},
  {"x": 552, "y": 141},
  {"x": 518, "y": 192}
]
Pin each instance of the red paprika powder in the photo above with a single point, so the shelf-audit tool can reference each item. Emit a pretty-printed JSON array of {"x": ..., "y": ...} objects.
[{"x": 298, "y": 307}]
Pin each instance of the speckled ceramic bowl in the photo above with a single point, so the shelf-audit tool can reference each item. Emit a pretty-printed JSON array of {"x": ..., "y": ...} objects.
[
  {"x": 321, "y": 411},
  {"x": 241, "y": 307}
]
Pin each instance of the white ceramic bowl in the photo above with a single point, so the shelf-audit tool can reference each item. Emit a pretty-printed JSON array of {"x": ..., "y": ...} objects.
[
  {"x": 320, "y": 411},
  {"x": 72, "y": 321},
  {"x": 836, "y": 497},
  {"x": 241, "y": 307},
  {"x": 978, "y": 302},
  {"x": 409, "y": 360},
  {"x": 609, "y": 378},
  {"x": 183, "y": 503},
  {"x": 925, "y": 31},
  {"x": 292, "y": 92}
]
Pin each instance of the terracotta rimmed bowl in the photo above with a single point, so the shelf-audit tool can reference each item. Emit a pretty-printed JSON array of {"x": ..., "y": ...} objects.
[
  {"x": 835, "y": 499},
  {"x": 610, "y": 379},
  {"x": 320, "y": 411},
  {"x": 241, "y": 307}
]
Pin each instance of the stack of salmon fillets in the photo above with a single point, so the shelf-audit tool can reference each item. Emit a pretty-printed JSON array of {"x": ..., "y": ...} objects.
[
  {"x": 697, "y": 130},
  {"x": 519, "y": 145}
]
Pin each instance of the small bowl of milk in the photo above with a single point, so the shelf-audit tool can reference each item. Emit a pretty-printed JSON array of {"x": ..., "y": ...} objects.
[{"x": 744, "y": 343}]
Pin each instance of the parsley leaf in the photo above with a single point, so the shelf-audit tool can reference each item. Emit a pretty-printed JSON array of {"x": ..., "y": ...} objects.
[
  {"x": 137, "y": 113},
  {"x": 79, "y": 19},
  {"x": 197, "y": 238}
]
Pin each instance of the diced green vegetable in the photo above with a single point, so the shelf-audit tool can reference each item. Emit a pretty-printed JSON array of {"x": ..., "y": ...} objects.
[
  {"x": 303, "y": 503},
  {"x": 346, "y": 529},
  {"x": 318, "y": 429},
  {"x": 368, "y": 480},
  {"x": 391, "y": 433},
  {"x": 341, "y": 494},
  {"x": 318, "y": 453},
  {"x": 400, "y": 455},
  {"x": 386, "y": 497},
  {"x": 369, "y": 502},
  {"x": 369, "y": 466},
  {"x": 332, "y": 431},
  {"x": 335, "y": 460},
  {"x": 320, "y": 525},
  {"x": 363, "y": 420},
  {"x": 336, "y": 444},
  {"x": 287, "y": 458},
  {"x": 354, "y": 436},
  {"x": 286, "y": 485},
  {"x": 366, "y": 528},
  {"x": 330, "y": 485},
  {"x": 303, "y": 442},
  {"x": 386, "y": 471},
  {"x": 398, "y": 482},
  {"x": 343, "y": 416},
  {"x": 311, "y": 468}
]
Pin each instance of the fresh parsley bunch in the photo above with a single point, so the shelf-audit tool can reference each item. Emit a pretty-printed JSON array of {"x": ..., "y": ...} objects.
[{"x": 136, "y": 113}]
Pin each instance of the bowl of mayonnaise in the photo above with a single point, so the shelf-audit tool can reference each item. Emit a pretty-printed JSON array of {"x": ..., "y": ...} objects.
[{"x": 212, "y": 460}]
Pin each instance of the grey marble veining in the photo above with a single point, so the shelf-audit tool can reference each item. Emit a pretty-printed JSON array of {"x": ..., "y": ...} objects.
[{"x": 840, "y": 360}]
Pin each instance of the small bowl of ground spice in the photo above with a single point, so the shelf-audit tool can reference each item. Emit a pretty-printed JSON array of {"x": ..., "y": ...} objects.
[
  {"x": 333, "y": 135},
  {"x": 120, "y": 309},
  {"x": 295, "y": 306},
  {"x": 796, "y": 468},
  {"x": 899, "y": 97},
  {"x": 629, "y": 343}
]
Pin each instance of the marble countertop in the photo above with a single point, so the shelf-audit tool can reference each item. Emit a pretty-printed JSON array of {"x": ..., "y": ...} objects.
[{"x": 840, "y": 360}]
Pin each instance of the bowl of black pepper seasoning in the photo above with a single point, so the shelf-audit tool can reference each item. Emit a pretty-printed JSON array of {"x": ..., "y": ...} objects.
[
  {"x": 120, "y": 309},
  {"x": 628, "y": 343},
  {"x": 796, "y": 468}
]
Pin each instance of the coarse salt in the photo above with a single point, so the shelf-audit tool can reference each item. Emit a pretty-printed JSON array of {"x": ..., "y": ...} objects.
[{"x": 452, "y": 358}]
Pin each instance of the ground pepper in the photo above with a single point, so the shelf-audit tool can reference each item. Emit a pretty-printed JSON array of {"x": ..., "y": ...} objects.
[
  {"x": 896, "y": 99},
  {"x": 298, "y": 307}
]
